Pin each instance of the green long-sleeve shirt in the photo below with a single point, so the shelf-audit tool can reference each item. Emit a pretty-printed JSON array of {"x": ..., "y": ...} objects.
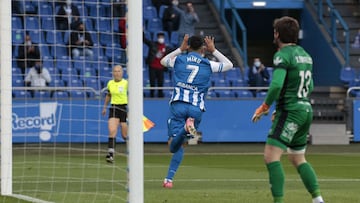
[{"x": 292, "y": 81}]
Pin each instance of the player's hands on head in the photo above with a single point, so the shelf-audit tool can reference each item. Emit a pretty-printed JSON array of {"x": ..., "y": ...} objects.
[
  {"x": 184, "y": 45},
  {"x": 210, "y": 44}
]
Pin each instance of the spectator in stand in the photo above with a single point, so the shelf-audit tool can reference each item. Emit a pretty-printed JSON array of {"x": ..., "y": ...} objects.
[
  {"x": 157, "y": 50},
  {"x": 27, "y": 54},
  {"x": 67, "y": 15},
  {"x": 258, "y": 76},
  {"x": 81, "y": 42},
  {"x": 188, "y": 18},
  {"x": 171, "y": 18},
  {"x": 356, "y": 43},
  {"x": 122, "y": 32},
  {"x": 38, "y": 76}
]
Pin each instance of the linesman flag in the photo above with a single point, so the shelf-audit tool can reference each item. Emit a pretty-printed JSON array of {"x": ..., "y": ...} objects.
[{"x": 147, "y": 124}]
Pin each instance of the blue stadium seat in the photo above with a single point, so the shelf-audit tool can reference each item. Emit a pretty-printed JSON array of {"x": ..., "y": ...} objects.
[
  {"x": 16, "y": 72},
  {"x": 45, "y": 9},
  {"x": 106, "y": 38},
  {"x": 161, "y": 11},
  {"x": 54, "y": 37},
  {"x": 103, "y": 24},
  {"x": 21, "y": 94},
  {"x": 16, "y": 23},
  {"x": 261, "y": 94},
  {"x": 32, "y": 23},
  {"x": 347, "y": 74},
  {"x": 147, "y": 3},
  {"x": 59, "y": 51},
  {"x": 57, "y": 82},
  {"x": 66, "y": 36},
  {"x": 44, "y": 50},
  {"x": 68, "y": 74},
  {"x": 42, "y": 94},
  {"x": 104, "y": 69},
  {"x": 98, "y": 52},
  {"x": 17, "y": 36},
  {"x": 243, "y": 93},
  {"x": 37, "y": 36},
  {"x": 60, "y": 95},
  {"x": 48, "y": 23},
  {"x": 93, "y": 83},
  {"x": 149, "y": 12},
  {"x": 74, "y": 82},
  {"x": 89, "y": 24},
  {"x": 145, "y": 51},
  {"x": 174, "y": 38},
  {"x": 18, "y": 82},
  {"x": 63, "y": 63},
  {"x": 30, "y": 7},
  {"x": 154, "y": 25},
  {"x": 224, "y": 93},
  {"x": 82, "y": 10},
  {"x": 78, "y": 94},
  {"x": 115, "y": 53}
]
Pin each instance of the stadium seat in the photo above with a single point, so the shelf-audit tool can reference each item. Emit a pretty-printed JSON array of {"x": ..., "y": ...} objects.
[
  {"x": 60, "y": 95},
  {"x": 161, "y": 10},
  {"x": 106, "y": 38},
  {"x": 78, "y": 94},
  {"x": 147, "y": 3},
  {"x": 16, "y": 23},
  {"x": 89, "y": 25},
  {"x": 48, "y": 23},
  {"x": 103, "y": 24},
  {"x": 82, "y": 10},
  {"x": 45, "y": 9},
  {"x": 17, "y": 36},
  {"x": 74, "y": 82},
  {"x": 30, "y": 8},
  {"x": 174, "y": 38},
  {"x": 224, "y": 93},
  {"x": 354, "y": 83},
  {"x": 93, "y": 83},
  {"x": 59, "y": 51},
  {"x": 42, "y": 94},
  {"x": 261, "y": 94},
  {"x": 32, "y": 23},
  {"x": 154, "y": 25},
  {"x": 347, "y": 74},
  {"x": 16, "y": 72},
  {"x": 18, "y": 82},
  {"x": 57, "y": 82},
  {"x": 44, "y": 50},
  {"x": 243, "y": 93},
  {"x": 104, "y": 69},
  {"x": 149, "y": 12},
  {"x": 115, "y": 53},
  {"x": 37, "y": 36},
  {"x": 21, "y": 94},
  {"x": 145, "y": 51},
  {"x": 54, "y": 37}
]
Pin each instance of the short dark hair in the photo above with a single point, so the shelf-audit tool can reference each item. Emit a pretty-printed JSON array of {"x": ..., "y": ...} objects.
[
  {"x": 288, "y": 29},
  {"x": 160, "y": 34},
  {"x": 195, "y": 42}
]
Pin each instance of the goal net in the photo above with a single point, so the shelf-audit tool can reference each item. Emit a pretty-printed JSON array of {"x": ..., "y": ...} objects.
[{"x": 56, "y": 148}]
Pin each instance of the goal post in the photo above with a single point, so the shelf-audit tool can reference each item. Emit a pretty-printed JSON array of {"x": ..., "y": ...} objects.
[
  {"x": 6, "y": 97},
  {"x": 136, "y": 140}
]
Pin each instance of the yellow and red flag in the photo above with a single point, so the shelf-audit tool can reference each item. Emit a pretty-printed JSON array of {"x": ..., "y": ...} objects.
[{"x": 147, "y": 124}]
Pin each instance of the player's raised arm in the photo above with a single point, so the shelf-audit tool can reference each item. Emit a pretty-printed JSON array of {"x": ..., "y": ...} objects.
[
  {"x": 169, "y": 59},
  {"x": 224, "y": 63}
]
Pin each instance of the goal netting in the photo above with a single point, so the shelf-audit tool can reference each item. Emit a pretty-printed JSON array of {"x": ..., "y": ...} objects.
[{"x": 54, "y": 139}]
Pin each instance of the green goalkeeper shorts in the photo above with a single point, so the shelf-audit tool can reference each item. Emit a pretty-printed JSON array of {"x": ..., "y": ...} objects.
[{"x": 290, "y": 129}]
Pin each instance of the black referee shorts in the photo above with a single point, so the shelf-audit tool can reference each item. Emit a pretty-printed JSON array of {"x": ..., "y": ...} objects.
[{"x": 118, "y": 111}]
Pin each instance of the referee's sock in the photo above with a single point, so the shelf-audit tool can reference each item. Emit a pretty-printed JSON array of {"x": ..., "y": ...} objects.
[{"x": 111, "y": 145}]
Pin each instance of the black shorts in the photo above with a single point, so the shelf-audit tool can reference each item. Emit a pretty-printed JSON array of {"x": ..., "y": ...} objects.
[{"x": 118, "y": 111}]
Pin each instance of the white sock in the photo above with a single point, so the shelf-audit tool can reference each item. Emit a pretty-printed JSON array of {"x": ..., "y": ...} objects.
[{"x": 318, "y": 199}]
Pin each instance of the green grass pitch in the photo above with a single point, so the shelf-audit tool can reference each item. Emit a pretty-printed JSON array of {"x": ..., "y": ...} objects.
[{"x": 211, "y": 173}]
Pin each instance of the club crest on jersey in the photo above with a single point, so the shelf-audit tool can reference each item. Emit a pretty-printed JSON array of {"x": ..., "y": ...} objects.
[{"x": 277, "y": 61}]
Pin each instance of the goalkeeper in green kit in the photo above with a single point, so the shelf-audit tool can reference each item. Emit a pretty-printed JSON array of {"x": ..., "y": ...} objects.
[{"x": 290, "y": 88}]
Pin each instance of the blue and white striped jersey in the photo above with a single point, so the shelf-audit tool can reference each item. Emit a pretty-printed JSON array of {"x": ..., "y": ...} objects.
[
  {"x": 191, "y": 78},
  {"x": 192, "y": 74}
]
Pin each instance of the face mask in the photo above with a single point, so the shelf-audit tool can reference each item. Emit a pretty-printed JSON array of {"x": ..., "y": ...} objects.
[
  {"x": 161, "y": 40},
  {"x": 257, "y": 63},
  {"x": 175, "y": 3}
]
